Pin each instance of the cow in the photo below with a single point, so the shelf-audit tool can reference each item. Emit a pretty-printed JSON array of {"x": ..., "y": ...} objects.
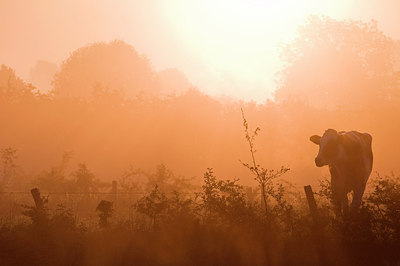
[{"x": 349, "y": 157}]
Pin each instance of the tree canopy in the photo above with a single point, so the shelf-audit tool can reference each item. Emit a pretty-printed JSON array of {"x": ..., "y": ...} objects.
[
  {"x": 115, "y": 65},
  {"x": 13, "y": 88},
  {"x": 117, "y": 68},
  {"x": 339, "y": 63}
]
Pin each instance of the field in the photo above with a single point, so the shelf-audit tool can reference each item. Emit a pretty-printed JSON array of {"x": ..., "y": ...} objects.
[
  {"x": 107, "y": 159},
  {"x": 221, "y": 222}
]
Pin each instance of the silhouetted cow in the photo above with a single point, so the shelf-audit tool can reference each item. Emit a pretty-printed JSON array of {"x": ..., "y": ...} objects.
[{"x": 349, "y": 156}]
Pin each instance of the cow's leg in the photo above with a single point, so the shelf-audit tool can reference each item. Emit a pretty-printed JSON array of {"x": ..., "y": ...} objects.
[
  {"x": 336, "y": 202},
  {"x": 358, "y": 193},
  {"x": 337, "y": 207},
  {"x": 340, "y": 203},
  {"x": 345, "y": 204}
]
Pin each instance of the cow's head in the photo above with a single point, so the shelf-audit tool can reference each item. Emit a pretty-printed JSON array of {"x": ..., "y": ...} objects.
[{"x": 328, "y": 147}]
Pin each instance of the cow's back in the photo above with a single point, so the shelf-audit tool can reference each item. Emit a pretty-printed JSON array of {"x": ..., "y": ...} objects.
[{"x": 357, "y": 155}]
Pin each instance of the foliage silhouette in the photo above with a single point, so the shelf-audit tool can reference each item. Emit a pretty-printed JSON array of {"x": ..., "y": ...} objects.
[
  {"x": 351, "y": 64},
  {"x": 105, "y": 210},
  {"x": 263, "y": 176}
]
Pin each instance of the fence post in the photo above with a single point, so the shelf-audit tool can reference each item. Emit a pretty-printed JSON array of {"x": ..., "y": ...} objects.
[
  {"x": 40, "y": 216},
  {"x": 312, "y": 204},
  {"x": 37, "y": 198},
  {"x": 317, "y": 227}
]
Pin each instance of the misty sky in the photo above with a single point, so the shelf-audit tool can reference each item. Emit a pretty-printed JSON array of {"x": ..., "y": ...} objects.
[{"x": 226, "y": 47}]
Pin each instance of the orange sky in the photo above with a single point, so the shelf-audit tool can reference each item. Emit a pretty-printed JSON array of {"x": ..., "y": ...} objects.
[{"x": 225, "y": 47}]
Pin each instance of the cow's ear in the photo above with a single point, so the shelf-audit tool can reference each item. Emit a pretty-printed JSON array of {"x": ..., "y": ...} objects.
[{"x": 316, "y": 139}]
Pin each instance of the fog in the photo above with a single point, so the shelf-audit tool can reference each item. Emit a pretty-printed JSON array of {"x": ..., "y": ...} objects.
[
  {"x": 225, "y": 48},
  {"x": 131, "y": 152}
]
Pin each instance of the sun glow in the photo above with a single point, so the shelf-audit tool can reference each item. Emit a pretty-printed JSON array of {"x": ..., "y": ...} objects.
[{"x": 237, "y": 40}]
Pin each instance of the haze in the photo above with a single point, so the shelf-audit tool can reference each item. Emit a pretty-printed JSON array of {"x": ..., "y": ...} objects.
[
  {"x": 184, "y": 132},
  {"x": 225, "y": 48}
]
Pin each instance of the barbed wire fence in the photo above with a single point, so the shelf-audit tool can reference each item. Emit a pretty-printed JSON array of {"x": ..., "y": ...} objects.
[{"x": 83, "y": 203}]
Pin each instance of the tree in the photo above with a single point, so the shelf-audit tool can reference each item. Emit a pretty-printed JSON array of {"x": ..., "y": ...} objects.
[
  {"x": 55, "y": 180},
  {"x": 8, "y": 166},
  {"x": 85, "y": 179},
  {"x": 334, "y": 63},
  {"x": 115, "y": 65},
  {"x": 12, "y": 88},
  {"x": 262, "y": 175},
  {"x": 172, "y": 81},
  {"x": 153, "y": 205},
  {"x": 42, "y": 73}
]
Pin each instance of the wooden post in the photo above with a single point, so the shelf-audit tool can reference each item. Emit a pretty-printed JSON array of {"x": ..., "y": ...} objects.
[
  {"x": 37, "y": 198},
  {"x": 40, "y": 218},
  {"x": 317, "y": 227},
  {"x": 312, "y": 204}
]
